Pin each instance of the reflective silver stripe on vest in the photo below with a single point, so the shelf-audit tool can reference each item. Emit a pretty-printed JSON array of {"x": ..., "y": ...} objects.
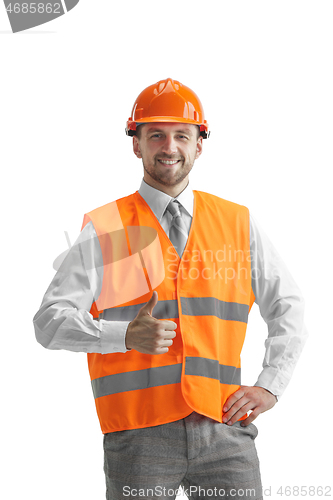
[
  {"x": 165, "y": 375},
  {"x": 211, "y": 368},
  {"x": 210, "y": 306},
  {"x": 164, "y": 309},
  {"x": 191, "y": 306},
  {"x": 138, "y": 379}
]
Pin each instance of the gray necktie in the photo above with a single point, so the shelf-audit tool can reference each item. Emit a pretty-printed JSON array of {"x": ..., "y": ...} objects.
[{"x": 178, "y": 234}]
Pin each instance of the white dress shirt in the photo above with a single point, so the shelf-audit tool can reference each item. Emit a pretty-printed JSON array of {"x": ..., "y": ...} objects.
[{"x": 64, "y": 321}]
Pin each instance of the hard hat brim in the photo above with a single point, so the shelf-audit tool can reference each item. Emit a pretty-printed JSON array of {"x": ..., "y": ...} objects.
[{"x": 131, "y": 124}]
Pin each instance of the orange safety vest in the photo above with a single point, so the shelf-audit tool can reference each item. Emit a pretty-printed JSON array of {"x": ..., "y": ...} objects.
[{"x": 207, "y": 293}]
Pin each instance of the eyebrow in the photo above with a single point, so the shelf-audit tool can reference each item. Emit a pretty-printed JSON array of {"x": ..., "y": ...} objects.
[{"x": 182, "y": 131}]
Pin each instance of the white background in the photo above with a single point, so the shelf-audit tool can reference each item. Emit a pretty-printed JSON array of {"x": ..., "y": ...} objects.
[{"x": 263, "y": 71}]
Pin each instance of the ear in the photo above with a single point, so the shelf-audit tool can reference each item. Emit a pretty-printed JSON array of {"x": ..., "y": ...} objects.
[
  {"x": 199, "y": 147},
  {"x": 136, "y": 147}
]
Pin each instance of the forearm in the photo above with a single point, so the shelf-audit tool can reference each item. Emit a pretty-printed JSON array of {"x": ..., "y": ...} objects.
[
  {"x": 282, "y": 307},
  {"x": 281, "y": 356},
  {"x": 62, "y": 326},
  {"x": 63, "y": 320}
]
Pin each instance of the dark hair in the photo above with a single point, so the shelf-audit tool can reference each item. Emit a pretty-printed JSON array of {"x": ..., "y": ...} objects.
[{"x": 138, "y": 131}]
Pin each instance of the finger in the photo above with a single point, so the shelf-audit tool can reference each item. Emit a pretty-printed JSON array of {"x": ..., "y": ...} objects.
[
  {"x": 240, "y": 413},
  {"x": 236, "y": 396},
  {"x": 249, "y": 419},
  {"x": 168, "y": 325},
  {"x": 167, "y": 343},
  {"x": 236, "y": 407},
  {"x": 161, "y": 350},
  {"x": 164, "y": 346},
  {"x": 168, "y": 335},
  {"x": 149, "y": 306}
]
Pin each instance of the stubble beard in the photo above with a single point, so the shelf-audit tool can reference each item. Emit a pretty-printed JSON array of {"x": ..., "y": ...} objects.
[{"x": 167, "y": 179}]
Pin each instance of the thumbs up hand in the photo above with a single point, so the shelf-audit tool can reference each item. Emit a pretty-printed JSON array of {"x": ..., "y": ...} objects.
[{"x": 147, "y": 334}]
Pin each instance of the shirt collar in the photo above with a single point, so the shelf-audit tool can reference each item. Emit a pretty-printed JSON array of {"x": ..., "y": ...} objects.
[{"x": 158, "y": 201}]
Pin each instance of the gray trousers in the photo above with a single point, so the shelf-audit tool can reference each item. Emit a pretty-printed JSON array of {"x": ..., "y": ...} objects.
[{"x": 206, "y": 458}]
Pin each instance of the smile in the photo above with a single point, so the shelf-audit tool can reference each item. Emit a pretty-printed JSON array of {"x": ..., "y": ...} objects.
[{"x": 169, "y": 162}]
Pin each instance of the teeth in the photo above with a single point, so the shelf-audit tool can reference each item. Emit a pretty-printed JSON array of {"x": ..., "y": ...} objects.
[{"x": 169, "y": 162}]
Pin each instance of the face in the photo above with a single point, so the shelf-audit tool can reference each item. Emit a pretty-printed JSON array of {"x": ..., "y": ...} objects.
[{"x": 168, "y": 152}]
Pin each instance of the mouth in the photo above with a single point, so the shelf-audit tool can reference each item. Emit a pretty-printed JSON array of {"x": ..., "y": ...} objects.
[{"x": 168, "y": 163}]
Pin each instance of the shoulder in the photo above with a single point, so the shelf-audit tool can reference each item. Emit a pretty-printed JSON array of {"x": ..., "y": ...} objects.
[
  {"x": 107, "y": 217},
  {"x": 110, "y": 206},
  {"x": 213, "y": 200}
]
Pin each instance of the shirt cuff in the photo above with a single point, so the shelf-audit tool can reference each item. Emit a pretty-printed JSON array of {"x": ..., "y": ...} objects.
[
  {"x": 113, "y": 336},
  {"x": 273, "y": 381}
]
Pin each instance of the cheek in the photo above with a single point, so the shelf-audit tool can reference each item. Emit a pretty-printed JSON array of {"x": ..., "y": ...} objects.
[
  {"x": 192, "y": 153},
  {"x": 150, "y": 152}
]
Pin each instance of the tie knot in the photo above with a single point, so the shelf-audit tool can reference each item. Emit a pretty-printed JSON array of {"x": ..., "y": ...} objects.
[{"x": 174, "y": 208}]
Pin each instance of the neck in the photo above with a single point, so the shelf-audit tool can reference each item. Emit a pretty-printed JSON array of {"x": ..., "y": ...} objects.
[{"x": 173, "y": 191}]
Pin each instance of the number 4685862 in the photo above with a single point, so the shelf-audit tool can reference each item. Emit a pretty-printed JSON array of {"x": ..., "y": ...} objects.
[{"x": 34, "y": 8}]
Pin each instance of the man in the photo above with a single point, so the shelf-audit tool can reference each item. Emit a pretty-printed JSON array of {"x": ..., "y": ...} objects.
[{"x": 157, "y": 291}]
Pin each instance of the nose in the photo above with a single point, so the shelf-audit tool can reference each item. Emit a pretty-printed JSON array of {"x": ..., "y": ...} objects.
[{"x": 169, "y": 145}]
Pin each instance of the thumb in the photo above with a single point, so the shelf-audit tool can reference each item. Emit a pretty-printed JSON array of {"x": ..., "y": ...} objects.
[{"x": 149, "y": 306}]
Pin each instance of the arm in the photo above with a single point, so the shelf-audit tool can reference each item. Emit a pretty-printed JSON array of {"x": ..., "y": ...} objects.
[
  {"x": 282, "y": 307},
  {"x": 63, "y": 320}
]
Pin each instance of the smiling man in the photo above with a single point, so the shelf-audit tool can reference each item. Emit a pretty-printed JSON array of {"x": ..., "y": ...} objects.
[
  {"x": 165, "y": 365},
  {"x": 168, "y": 152}
]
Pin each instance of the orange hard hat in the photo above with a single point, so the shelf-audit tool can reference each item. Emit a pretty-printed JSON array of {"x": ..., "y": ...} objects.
[{"x": 167, "y": 101}]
